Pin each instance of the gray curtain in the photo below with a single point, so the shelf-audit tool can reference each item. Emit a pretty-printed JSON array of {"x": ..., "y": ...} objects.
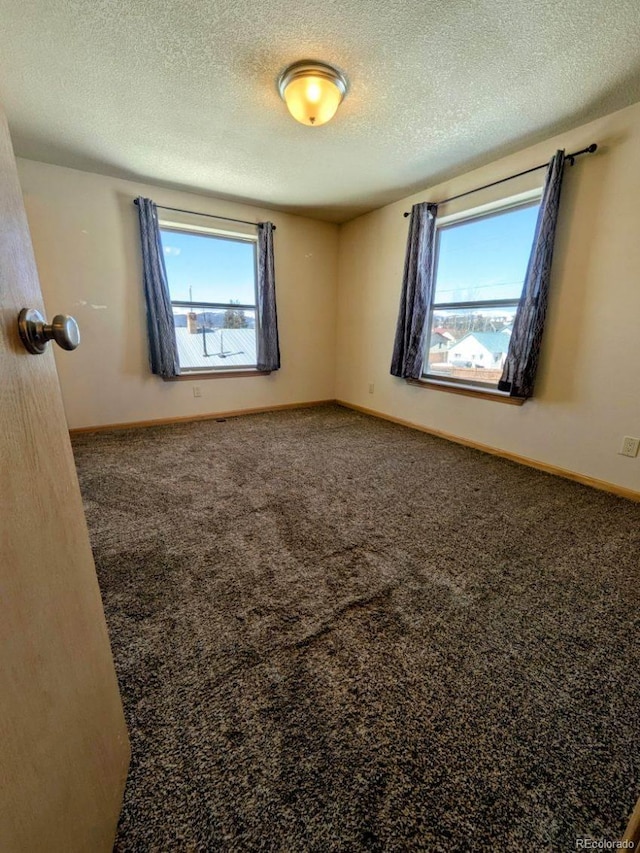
[
  {"x": 163, "y": 349},
  {"x": 267, "y": 331},
  {"x": 519, "y": 372},
  {"x": 417, "y": 286}
]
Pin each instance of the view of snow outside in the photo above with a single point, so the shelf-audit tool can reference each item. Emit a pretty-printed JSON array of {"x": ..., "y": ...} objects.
[
  {"x": 203, "y": 268},
  {"x": 479, "y": 260}
]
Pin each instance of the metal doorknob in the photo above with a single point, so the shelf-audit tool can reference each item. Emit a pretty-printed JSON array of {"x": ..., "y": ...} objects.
[{"x": 36, "y": 333}]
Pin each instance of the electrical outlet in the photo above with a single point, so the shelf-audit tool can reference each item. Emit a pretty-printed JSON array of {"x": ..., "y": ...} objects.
[
  {"x": 197, "y": 392},
  {"x": 630, "y": 446},
  {"x": 371, "y": 387}
]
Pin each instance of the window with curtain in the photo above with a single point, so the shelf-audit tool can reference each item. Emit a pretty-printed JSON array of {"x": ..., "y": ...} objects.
[
  {"x": 474, "y": 281},
  {"x": 213, "y": 288},
  {"x": 480, "y": 265}
]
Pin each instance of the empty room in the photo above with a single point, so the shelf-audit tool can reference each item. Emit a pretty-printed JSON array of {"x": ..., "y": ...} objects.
[{"x": 320, "y": 420}]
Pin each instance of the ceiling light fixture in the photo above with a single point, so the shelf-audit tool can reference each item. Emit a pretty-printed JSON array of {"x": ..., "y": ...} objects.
[{"x": 312, "y": 91}]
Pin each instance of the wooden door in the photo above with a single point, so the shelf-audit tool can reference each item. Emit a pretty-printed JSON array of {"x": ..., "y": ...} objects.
[
  {"x": 64, "y": 750},
  {"x": 632, "y": 832}
]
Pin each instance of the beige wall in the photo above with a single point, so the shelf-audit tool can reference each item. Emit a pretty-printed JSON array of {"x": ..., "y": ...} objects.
[
  {"x": 588, "y": 391},
  {"x": 85, "y": 236}
]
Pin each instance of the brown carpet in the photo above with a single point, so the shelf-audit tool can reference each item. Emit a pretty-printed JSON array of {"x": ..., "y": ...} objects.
[{"x": 336, "y": 634}]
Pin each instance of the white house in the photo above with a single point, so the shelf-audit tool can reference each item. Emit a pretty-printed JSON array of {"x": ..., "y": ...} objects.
[{"x": 480, "y": 349}]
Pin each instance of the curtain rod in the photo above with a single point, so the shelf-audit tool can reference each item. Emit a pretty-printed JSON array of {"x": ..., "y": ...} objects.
[
  {"x": 208, "y": 215},
  {"x": 570, "y": 157}
]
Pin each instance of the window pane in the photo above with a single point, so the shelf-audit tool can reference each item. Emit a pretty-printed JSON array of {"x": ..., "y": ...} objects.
[
  {"x": 202, "y": 268},
  {"x": 485, "y": 258},
  {"x": 209, "y": 338},
  {"x": 469, "y": 345}
]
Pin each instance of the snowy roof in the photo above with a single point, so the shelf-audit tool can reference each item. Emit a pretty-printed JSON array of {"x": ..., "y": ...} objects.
[
  {"x": 445, "y": 334},
  {"x": 225, "y": 347}
]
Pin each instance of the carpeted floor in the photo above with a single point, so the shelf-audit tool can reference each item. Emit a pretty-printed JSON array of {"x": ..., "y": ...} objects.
[{"x": 336, "y": 634}]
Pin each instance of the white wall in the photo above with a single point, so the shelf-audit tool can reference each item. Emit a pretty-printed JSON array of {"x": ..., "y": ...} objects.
[
  {"x": 85, "y": 236},
  {"x": 588, "y": 390}
]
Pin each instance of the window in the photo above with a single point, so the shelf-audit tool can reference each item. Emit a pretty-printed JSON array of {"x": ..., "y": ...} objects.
[
  {"x": 212, "y": 282},
  {"x": 481, "y": 262}
]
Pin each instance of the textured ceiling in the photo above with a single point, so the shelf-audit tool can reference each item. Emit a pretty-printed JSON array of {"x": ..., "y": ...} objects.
[{"x": 183, "y": 92}]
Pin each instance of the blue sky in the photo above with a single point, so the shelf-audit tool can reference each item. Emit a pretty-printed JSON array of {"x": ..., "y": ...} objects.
[
  {"x": 485, "y": 258},
  {"x": 216, "y": 269}
]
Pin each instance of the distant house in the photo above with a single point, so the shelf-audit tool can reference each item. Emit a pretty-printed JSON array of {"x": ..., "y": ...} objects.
[
  {"x": 439, "y": 344},
  {"x": 439, "y": 341},
  {"x": 480, "y": 349},
  {"x": 441, "y": 332}
]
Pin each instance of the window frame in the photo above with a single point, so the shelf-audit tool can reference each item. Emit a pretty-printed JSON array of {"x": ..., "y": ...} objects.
[
  {"x": 221, "y": 234},
  {"x": 485, "y": 211}
]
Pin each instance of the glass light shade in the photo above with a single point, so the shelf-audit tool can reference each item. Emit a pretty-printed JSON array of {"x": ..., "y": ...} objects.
[
  {"x": 312, "y": 91},
  {"x": 312, "y": 100}
]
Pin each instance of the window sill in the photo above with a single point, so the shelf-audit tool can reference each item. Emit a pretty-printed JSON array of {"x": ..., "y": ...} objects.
[
  {"x": 468, "y": 391},
  {"x": 217, "y": 374}
]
